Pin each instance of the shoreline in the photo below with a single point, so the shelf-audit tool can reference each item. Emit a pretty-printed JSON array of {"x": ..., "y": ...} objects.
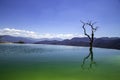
[{"x": 58, "y": 45}]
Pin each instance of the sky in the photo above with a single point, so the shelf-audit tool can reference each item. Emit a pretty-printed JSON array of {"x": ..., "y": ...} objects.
[{"x": 58, "y": 18}]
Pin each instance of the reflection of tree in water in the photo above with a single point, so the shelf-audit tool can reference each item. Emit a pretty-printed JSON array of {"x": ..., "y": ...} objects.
[
  {"x": 92, "y": 62},
  {"x": 91, "y": 39}
]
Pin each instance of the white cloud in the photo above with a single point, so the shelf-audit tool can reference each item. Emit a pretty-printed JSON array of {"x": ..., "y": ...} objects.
[
  {"x": 16, "y": 32},
  {"x": 25, "y": 33}
]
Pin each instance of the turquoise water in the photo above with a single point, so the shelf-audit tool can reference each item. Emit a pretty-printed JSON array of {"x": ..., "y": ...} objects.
[{"x": 54, "y": 62}]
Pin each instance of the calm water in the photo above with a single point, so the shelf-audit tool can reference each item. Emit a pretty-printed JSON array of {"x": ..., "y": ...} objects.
[{"x": 51, "y": 62}]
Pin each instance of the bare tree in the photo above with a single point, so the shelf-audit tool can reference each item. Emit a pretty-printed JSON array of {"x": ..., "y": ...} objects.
[{"x": 91, "y": 40}]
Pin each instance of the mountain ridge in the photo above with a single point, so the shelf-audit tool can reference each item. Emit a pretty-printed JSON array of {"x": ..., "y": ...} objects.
[
  {"x": 112, "y": 43},
  {"x": 103, "y": 42}
]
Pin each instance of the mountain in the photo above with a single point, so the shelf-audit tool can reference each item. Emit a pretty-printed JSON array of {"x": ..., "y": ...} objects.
[
  {"x": 77, "y": 39},
  {"x": 8, "y": 38},
  {"x": 113, "y": 43},
  {"x": 104, "y": 42}
]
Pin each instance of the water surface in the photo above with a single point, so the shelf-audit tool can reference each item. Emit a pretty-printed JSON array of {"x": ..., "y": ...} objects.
[{"x": 54, "y": 62}]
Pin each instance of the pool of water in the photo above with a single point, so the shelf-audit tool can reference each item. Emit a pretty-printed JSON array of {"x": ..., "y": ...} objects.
[{"x": 54, "y": 62}]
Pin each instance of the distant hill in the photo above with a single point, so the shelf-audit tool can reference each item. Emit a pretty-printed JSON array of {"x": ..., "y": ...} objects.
[
  {"x": 113, "y": 43},
  {"x": 104, "y": 42},
  {"x": 8, "y": 38}
]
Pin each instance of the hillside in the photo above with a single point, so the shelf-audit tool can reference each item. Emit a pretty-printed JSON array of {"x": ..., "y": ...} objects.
[{"x": 104, "y": 42}]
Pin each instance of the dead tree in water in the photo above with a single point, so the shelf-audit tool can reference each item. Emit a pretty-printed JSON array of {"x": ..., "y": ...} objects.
[{"x": 91, "y": 40}]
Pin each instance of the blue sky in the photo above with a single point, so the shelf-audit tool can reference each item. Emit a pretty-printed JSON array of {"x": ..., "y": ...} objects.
[{"x": 55, "y": 17}]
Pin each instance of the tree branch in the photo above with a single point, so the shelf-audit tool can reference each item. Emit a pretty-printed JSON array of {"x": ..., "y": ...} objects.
[{"x": 85, "y": 30}]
